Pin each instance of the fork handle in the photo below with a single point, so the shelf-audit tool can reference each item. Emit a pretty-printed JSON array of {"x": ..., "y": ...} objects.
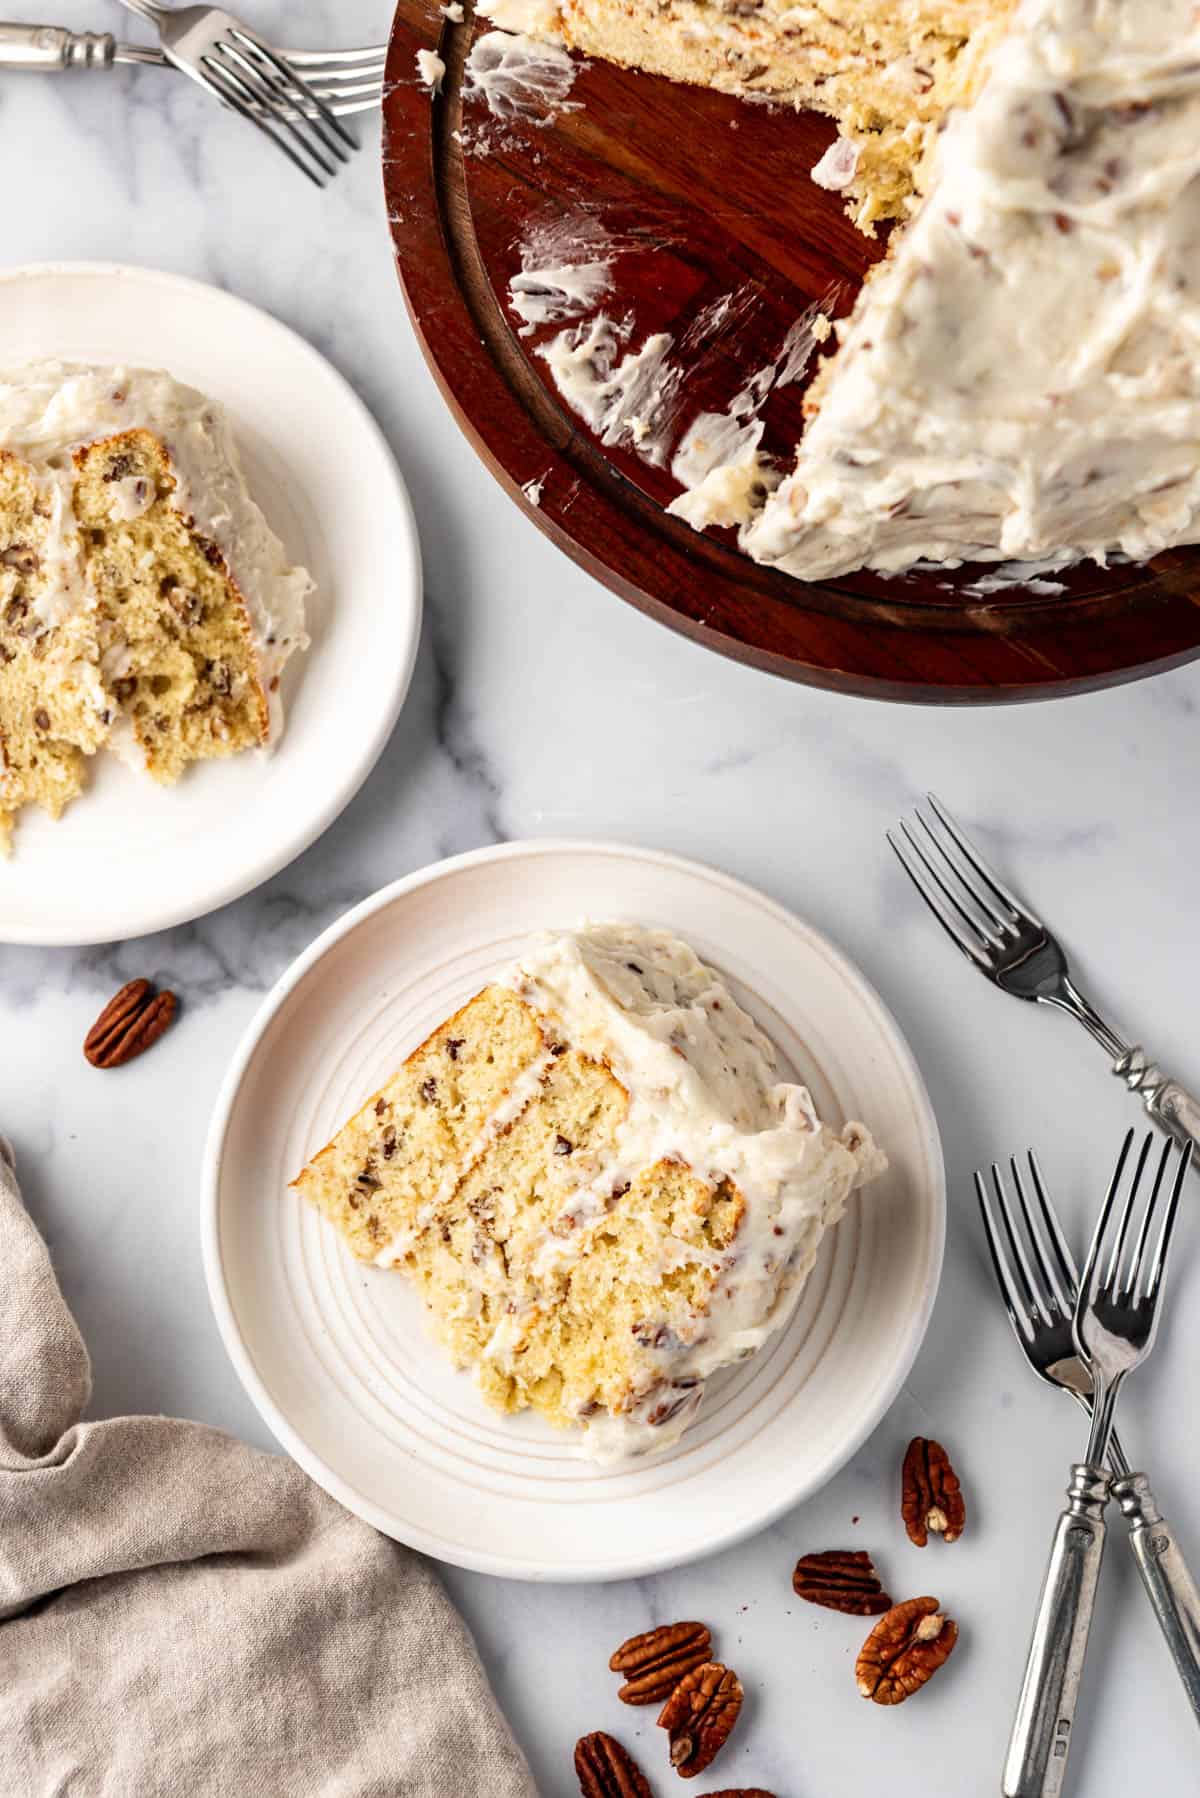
[
  {"x": 1041, "y": 1737},
  {"x": 1169, "y": 1585},
  {"x": 1171, "y": 1106},
  {"x": 50, "y": 48},
  {"x": 148, "y": 9}
]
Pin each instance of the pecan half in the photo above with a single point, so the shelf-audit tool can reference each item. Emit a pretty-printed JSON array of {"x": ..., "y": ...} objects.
[
  {"x": 905, "y": 1649},
  {"x": 654, "y": 1663},
  {"x": 130, "y": 1023},
  {"x": 841, "y": 1579},
  {"x": 606, "y": 1771},
  {"x": 930, "y": 1496},
  {"x": 699, "y": 1716}
]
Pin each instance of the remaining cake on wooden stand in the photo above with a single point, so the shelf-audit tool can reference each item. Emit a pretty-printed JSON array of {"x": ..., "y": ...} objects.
[{"x": 145, "y": 604}]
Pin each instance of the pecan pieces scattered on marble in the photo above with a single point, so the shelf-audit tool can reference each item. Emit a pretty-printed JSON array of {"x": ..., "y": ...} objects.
[
  {"x": 655, "y": 1662},
  {"x": 905, "y": 1649},
  {"x": 606, "y": 1771},
  {"x": 841, "y": 1579},
  {"x": 130, "y": 1023},
  {"x": 931, "y": 1499},
  {"x": 699, "y": 1716}
]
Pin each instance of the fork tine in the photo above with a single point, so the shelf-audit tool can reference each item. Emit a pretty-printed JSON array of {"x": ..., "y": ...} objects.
[
  {"x": 1090, "y": 1284},
  {"x": 291, "y": 98},
  {"x": 998, "y": 924},
  {"x": 1048, "y": 1282},
  {"x": 345, "y": 81},
  {"x": 1006, "y": 1279},
  {"x": 1139, "y": 1247},
  {"x": 1114, "y": 1265},
  {"x": 345, "y": 59},
  {"x": 1017, "y": 1236},
  {"x": 1067, "y": 1270},
  {"x": 291, "y": 79},
  {"x": 221, "y": 83},
  {"x": 337, "y": 79},
  {"x": 1164, "y": 1239},
  {"x": 971, "y": 939},
  {"x": 253, "y": 87},
  {"x": 984, "y": 869}
]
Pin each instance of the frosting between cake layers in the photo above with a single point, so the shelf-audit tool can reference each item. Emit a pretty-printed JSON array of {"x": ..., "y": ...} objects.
[
  {"x": 703, "y": 1089},
  {"x": 49, "y": 409},
  {"x": 1021, "y": 379}
]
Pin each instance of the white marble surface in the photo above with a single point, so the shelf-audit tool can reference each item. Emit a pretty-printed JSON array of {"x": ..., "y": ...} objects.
[{"x": 543, "y": 706}]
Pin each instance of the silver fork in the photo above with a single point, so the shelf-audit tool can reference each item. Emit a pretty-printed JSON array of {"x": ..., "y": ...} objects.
[
  {"x": 1011, "y": 945},
  {"x": 1116, "y": 1321},
  {"x": 347, "y": 80},
  {"x": 1039, "y": 1284},
  {"x": 246, "y": 74}
]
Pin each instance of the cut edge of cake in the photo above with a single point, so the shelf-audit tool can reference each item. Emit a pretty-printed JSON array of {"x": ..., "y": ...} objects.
[{"x": 887, "y": 77}]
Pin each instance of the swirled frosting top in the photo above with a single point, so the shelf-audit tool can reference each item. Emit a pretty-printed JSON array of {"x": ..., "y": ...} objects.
[{"x": 1021, "y": 377}]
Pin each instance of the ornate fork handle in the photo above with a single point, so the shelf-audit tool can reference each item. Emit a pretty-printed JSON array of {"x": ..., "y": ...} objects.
[
  {"x": 1041, "y": 1737},
  {"x": 51, "y": 47},
  {"x": 1171, "y": 1106},
  {"x": 1168, "y": 1104},
  {"x": 1168, "y": 1583}
]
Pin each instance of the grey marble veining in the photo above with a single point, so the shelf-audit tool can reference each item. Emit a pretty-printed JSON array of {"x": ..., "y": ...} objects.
[{"x": 542, "y": 706}]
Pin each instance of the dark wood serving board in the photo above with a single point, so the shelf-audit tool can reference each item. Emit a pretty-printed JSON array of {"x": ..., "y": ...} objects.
[{"x": 705, "y": 197}]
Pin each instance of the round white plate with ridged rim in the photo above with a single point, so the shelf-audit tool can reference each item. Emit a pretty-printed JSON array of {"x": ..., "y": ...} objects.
[
  {"x": 129, "y": 857},
  {"x": 336, "y": 1354}
]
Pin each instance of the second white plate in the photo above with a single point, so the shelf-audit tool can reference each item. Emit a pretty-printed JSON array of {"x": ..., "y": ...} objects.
[
  {"x": 130, "y": 857},
  {"x": 336, "y": 1355}
]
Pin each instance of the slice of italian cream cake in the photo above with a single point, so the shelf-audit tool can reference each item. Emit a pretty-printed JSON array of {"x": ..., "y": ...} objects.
[
  {"x": 146, "y": 606},
  {"x": 597, "y": 1182}
]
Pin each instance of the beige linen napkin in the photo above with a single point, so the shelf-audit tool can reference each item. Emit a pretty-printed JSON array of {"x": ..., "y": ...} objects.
[{"x": 182, "y": 1615}]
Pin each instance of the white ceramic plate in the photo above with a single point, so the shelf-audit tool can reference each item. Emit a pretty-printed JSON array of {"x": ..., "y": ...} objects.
[
  {"x": 336, "y": 1355},
  {"x": 129, "y": 857}
]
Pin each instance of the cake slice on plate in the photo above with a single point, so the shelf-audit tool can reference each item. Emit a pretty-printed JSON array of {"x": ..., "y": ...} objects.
[
  {"x": 597, "y": 1182},
  {"x": 145, "y": 604}
]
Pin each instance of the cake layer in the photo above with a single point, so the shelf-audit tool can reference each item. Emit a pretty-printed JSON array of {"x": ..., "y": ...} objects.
[
  {"x": 175, "y": 643},
  {"x": 52, "y": 701},
  {"x": 376, "y": 1180},
  {"x": 887, "y": 75},
  {"x": 597, "y": 1183}
]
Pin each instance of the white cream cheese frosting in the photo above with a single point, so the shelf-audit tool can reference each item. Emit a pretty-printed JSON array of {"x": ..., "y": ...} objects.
[
  {"x": 1021, "y": 379},
  {"x": 48, "y": 409},
  {"x": 703, "y": 1089},
  {"x": 430, "y": 70}
]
